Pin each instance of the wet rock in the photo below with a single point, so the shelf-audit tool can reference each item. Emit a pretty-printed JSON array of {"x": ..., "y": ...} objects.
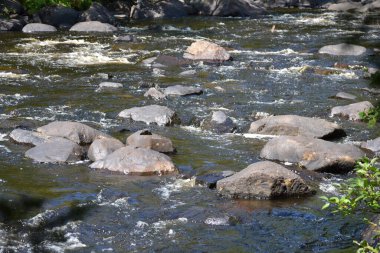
[
  {"x": 56, "y": 150},
  {"x": 93, "y": 26},
  {"x": 190, "y": 72},
  {"x": 102, "y": 147},
  {"x": 345, "y": 6},
  {"x": 11, "y": 25},
  {"x": 226, "y": 8},
  {"x": 146, "y": 139},
  {"x": 38, "y": 27},
  {"x": 97, "y": 12},
  {"x": 127, "y": 38},
  {"x": 110, "y": 85},
  {"x": 181, "y": 90},
  {"x": 162, "y": 9},
  {"x": 263, "y": 180},
  {"x": 161, "y": 115},
  {"x": 373, "y": 145},
  {"x": 211, "y": 179},
  {"x": 27, "y": 137},
  {"x": 373, "y": 90},
  {"x": 74, "y": 131},
  {"x": 343, "y": 49},
  {"x": 136, "y": 161},
  {"x": 294, "y": 125},
  {"x": 58, "y": 16},
  {"x": 218, "y": 122},
  {"x": 204, "y": 50},
  {"x": 351, "y": 111},
  {"x": 169, "y": 61},
  {"x": 344, "y": 95},
  {"x": 155, "y": 94},
  {"x": 313, "y": 154},
  {"x": 371, "y": 7}
]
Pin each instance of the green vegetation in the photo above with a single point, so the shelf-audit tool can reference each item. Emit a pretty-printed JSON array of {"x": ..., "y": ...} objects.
[
  {"x": 360, "y": 193},
  {"x": 35, "y": 5},
  {"x": 372, "y": 116}
]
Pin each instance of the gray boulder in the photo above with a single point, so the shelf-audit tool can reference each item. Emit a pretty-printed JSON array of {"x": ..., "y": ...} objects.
[
  {"x": 263, "y": 180},
  {"x": 371, "y": 7},
  {"x": 97, "y": 12},
  {"x": 296, "y": 125},
  {"x": 28, "y": 137},
  {"x": 345, "y": 95},
  {"x": 345, "y": 6},
  {"x": 155, "y": 94},
  {"x": 218, "y": 122},
  {"x": 102, "y": 147},
  {"x": 373, "y": 145},
  {"x": 11, "y": 25},
  {"x": 204, "y": 50},
  {"x": 343, "y": 49},
  {"x": 161, "y": 115},
  {"x": 211, "y": 179},
  {"x": 11, "y": 7},
  {"x": 93, "y": 26},
  {"x": 145, "y": 9},
  {"x": 58, "y": 16},
  {"x": 110, "y": 85},
  {"x": 146, "y": 139},
  {"x": 351, "y": 111},
  {"x": 226, "y": 8},
  {"x": 56, "y": 150},
  {"x": 38, "y": 27},
  {"x": 136, "y": 161},
  {"x": 313, "y": 154},
  {"x": 181, "y": 90},
  {"x": 74, "y": 131}
]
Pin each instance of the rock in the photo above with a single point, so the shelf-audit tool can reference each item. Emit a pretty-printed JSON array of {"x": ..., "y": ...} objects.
[
  {"x": 161, "y": 115},
  {"x": 373, "y": 90},
  {"x": 56, "y": 150},
  {"x": 14, "y": 25},
  {"x": 294, "y": 125},
  {"x": 371, "y": 7},
  {"x": 146, "y": 139},
  {"x": 204, "y": 50},
  {"x": 28, "y": 137},
  {"x": 343, "y": 49},
  {"x": 190, "y": 72},
  {"x": 59, "y": 16},
  {"x": 169, "y": 61},
  {"x": 373, "y": 145},
  {"x": 345, "y": 6},
  {"x": 93, "y": 26},
  {"x": 136, "y": 161},
  {"x": 344, "y": 95},
  {"x": 313, "y": 154},
  {"x": 155, "y": 94},
  {"x": 181, "y": 90},
  {"x": 211, "y": 179},
  {"x": 102, "y": 147},
  {"x": 110, "y": 85},
  {"x": 263, "y": 180},
  {"x": 74, "y": 131},
  {"x": 226, "y": 8},
  {"x": 351, "y": 111},
  {"x": 127, "y": 38},
  {"x": 97, "y": 12},
  {"x": 218, "y": 122},
  {"x": 38, "y": 27},
  {"x": 145, "y": 9},
  {"x": 11, "y": 7},
  {"x": 371, "y": 232}
]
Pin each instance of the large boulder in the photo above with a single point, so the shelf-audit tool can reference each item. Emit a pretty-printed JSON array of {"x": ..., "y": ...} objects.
[
  {"x": 59, "y": 16},
  {"x": 181, "y": 90},
  {"x": 204, "y": 50},
  {"x": 74, "y": 131},
  {"x": 296, "y": 125},
  {"x": 146, "y": 139},
  {"x": 263, "y": 180},
  {"x": 313, "y": 154},
  {"x": 345, "y": 6},
  {"x": 351, "y": 111},
  {"x": 97, "y": 12},
  {"x": 56, "y": 150},
  {"x": 38, "y": 27},
  {"x": 372, "y": 145},
  {"x": 102, "y": 147},
  {"x": 343, "y": 49},
  {"x": 11, "y": 7},
  {"x": 161, "y": 115},
  {"x": 145, "y": 9},
  {"x": 93, "y": 26},
  {"x": 218, "y": 122},
  {"x": 11, "y": 25},
  {"x": 136, "y": 161},
  {"x": 27, "y": 137}
]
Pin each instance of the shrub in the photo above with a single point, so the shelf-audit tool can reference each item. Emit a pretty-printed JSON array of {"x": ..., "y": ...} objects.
[
  {"x": 35, "y": 5},
  {"x": 372, "y": 116}
]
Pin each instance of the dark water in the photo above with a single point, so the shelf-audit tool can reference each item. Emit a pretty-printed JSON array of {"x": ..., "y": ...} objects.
[{"x": 57, "y": 208}]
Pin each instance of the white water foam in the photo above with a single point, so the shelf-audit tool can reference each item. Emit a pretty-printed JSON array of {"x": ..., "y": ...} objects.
[
  {"x": 217, "y": 221},
  {"x": 179, "y": 184}
]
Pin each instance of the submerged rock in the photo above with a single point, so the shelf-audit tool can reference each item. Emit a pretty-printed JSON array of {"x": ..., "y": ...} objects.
[
  {"x": 345, "y": 95},
  {"x": 373, "y": 145},
  {"x": 204, "y": 50},
  {"x": 127, "y": 38},
  {"x": 294, "y": 125},
  {"x": 28, "y": 137},
  {"x": 170, "y": 61},
  {"x": 263, "y": 180},
  {"x": 155, "y": 94},
  {"x": 161, "y": 115},
  {"x": 38, "y": 27},
  {"x": 211, "y": 179},
  {"x": 136, "y": 161},
  {"x": 343, "y": 49},
  {"x": 102, "y": 147},
  {"x": 218, "y": 122},
  {"x": 181, "y": 90},
  {"x": 313, "y": 154},
  {"x": 93, "y": 26},
  {"x": 146, "y": 139},
  {"x": 351, "y": 111}
]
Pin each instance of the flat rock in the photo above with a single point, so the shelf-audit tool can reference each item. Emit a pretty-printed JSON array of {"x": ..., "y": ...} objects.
[
  {"x": 204, "y": 50},
  {"x": 263, "y": 180},
  {"x": 74, "y": 131},
  {"x": 56, "y": 150},
  {"x": 181, "y": 90},
  {"x": 351, "y": 111},
  {"x": 28, "y": 137},
  {"x": 110, "y": 85},
  {"x": 146, "y": 139},
  {"x": 294, "y": 125},
  {"x": 211, "y": 179},
  {"x": 93, "y": 26},
  {"x": 218, "y": 122},
  {"x": 190, "y": 72},
  {"x": 345, "y": 6},
  {"x": 343, "y": 49},
  {"x": 102, "y": 147},
  {"x": 38, "y": 27},
  {"x": 345, "y": 95},
  {"x": 155, "y": 94},
  {"x": 373, "y": 145},
  {"x": 136, "y": 161},
  {"x": 313, "y": 154},
  {"x": 161, "y": 115},
  {"x": 127, "y": 38}
]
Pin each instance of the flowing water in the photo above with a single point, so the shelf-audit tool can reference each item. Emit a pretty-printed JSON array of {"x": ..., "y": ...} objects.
[{"x": 58, "y": 208}]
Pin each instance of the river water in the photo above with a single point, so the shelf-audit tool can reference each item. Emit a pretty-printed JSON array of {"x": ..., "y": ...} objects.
[{"x": 59, "y": 208}]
